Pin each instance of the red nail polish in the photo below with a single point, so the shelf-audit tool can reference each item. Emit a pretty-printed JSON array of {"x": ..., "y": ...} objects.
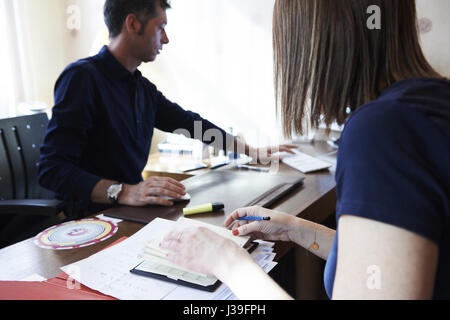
[{"x": 235, "y": 232}]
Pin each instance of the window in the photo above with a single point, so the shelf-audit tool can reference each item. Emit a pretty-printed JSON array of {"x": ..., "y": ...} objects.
[
  {"x": 219, "y": 64},
  {"x": 5, "y": 90}
]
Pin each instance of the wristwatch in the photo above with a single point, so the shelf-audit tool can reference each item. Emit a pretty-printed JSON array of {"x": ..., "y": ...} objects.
[{"x": 113, "y": 193}]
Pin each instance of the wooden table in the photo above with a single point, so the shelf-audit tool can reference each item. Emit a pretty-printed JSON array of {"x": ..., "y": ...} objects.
[
  {"x": 315, "y": 202},
  {"x": 168, "y": 165}
]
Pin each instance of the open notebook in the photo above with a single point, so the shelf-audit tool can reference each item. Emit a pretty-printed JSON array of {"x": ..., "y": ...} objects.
[{"x": 156, "y": 265}]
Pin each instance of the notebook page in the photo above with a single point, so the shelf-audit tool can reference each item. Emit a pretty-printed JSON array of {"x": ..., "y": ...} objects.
[{"x": 156, "y": 262}]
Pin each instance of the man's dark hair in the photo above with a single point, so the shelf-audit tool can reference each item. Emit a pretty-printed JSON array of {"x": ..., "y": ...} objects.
[{"x": 116, "y": 11}]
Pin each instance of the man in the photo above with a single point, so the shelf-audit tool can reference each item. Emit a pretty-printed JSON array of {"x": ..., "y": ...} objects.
[{"x": 99, "y": 137}]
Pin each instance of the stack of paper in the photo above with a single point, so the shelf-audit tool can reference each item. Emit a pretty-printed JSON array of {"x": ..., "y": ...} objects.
[{"x": 108, "y": 271}]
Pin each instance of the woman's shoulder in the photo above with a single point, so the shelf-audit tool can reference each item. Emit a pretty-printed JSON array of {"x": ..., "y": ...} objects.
[
  {"x": 408, "y": 105},
  {"x": 393, "y": 163}
]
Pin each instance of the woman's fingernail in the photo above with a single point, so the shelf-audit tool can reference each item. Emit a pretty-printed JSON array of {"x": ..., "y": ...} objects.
[{"x": 235, "y": 232}]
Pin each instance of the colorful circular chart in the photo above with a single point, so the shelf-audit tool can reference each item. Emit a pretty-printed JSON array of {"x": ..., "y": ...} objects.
[{"x": 75, "y": 234}]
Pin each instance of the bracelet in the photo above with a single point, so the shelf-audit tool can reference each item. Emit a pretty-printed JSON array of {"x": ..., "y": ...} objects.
[{"x": 315, "y": 246}]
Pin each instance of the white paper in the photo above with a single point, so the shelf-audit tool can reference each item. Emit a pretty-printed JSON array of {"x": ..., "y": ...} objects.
[
  {"x": 113, "y": 220},
  {"x": 304, "y": 162},
  {"x": 186, "y": 197},
  {"x": 155, "y": 257},
  {"x": 223, "y": 292},
  {"x": 15, "y": 260},
  {"x": 109, "y": 270},
  {"x": 34, "y": 278}
]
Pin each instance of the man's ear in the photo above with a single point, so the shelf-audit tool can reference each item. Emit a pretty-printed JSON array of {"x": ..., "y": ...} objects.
[{"x": 132, "y": 24}]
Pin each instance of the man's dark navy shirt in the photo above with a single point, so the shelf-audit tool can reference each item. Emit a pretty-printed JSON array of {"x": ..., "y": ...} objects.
[
  {"x": 393, "y": 166},
  {"x": 102, "y": 126}
]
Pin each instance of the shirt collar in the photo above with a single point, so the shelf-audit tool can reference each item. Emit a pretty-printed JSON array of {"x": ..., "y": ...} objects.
[{"x": 113, "y": 67}]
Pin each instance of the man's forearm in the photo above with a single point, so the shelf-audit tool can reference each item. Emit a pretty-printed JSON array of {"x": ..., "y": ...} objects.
[
  {"x": 240, "y": 147},
  {"x": 98, "y": 194}
]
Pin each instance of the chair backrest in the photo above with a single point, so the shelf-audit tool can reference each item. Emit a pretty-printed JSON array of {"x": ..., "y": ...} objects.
[{"x": 20, "y": 141}]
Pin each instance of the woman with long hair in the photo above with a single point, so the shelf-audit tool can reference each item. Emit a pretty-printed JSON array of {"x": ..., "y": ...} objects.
[{"x": 393, "y": 169}]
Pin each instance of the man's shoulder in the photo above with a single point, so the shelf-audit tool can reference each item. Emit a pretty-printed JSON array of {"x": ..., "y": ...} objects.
[
  {"x": 147, "y": 82},
  {"x": 84, "y": 66},
  {"x": 82, "y": 70}
]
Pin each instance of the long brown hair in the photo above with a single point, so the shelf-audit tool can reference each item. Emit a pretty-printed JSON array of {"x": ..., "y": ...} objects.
[{"x": 325, "y": 52}]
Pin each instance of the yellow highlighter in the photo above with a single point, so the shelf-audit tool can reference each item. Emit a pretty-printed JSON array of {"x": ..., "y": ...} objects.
[{"x": 208, "y": 207}]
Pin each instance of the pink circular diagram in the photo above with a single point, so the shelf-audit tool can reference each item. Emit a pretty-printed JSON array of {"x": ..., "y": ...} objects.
[{"x": 75, "y": 234}]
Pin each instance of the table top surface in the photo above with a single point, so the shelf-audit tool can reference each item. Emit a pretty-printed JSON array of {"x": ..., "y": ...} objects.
[{"x": 315, "y": 201}]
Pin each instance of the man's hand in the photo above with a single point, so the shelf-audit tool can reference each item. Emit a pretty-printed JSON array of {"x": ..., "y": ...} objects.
[
  {"x": 266, "y": 154},
  {"x": 149, "y": 192}
]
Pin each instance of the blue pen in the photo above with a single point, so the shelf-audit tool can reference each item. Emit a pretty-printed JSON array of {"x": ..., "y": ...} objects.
[{"x": 255, "y": 218}]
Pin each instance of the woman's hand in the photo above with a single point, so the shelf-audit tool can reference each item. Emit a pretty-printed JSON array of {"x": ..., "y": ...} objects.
[
  {"x": 281, "y": 226},
  {"x": 204, "y": 251}
]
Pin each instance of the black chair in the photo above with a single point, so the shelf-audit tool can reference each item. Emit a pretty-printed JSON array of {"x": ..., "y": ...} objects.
[{"x": 25, "y": 207}]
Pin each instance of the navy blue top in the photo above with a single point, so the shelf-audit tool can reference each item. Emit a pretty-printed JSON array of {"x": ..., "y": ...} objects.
[
  {"x": 394, "y": 167},
  {"x": 102, "y": 126}
]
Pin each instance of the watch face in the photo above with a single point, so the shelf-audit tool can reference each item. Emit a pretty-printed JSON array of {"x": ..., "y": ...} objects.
[{"x": 114, "y": 190}]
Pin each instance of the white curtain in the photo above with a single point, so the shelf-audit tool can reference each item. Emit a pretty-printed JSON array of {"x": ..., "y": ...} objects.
[
  {"x": 38, "y": 39},
  {"x": 8, "y": 61},
  {"x": 28, "y": 61}
]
